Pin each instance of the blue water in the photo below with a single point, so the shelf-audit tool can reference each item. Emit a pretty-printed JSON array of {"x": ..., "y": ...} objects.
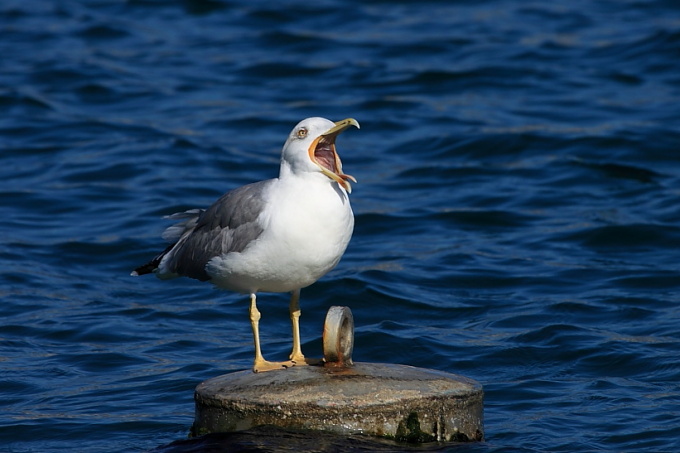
[{"x": 517, "y": 211}]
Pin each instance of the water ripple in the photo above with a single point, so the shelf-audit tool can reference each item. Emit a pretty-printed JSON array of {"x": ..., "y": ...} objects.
[{"x": 516, "y": 211}]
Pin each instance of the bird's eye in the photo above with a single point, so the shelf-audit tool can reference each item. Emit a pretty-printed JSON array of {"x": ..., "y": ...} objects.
[{"x": 302, "y": 132}]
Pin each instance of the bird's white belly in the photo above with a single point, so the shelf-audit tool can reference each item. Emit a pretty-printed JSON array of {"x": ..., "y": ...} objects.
[{"x": 307, "y": 231}]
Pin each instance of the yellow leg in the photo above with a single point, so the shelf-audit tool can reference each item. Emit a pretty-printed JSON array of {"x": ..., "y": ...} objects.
[
  {"x": 255, "y": 324},
  {"x": 260, "y": 363},
  {"x": 297, "y": 356}
]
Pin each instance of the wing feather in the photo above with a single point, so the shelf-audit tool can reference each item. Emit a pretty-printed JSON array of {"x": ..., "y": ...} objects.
[{"x": 228, "y": 225}]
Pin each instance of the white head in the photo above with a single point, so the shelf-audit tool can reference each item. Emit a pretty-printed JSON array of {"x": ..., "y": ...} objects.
[{"x": 311, "y": 148}]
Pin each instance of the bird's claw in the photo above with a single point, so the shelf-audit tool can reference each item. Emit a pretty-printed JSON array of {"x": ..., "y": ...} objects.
[{"x": 264, "y": 365}]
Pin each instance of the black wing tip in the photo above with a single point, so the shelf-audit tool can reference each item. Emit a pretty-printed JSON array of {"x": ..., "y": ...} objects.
[
  {"x": 152, "y": 265},
  {"x": 148, "y": 268}
]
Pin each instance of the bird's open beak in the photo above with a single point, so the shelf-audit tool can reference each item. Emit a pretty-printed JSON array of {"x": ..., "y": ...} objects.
[{"x": 322, "y": 153}]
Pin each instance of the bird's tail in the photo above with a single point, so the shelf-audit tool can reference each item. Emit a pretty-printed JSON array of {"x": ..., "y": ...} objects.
[
  {"x": 172, "y": 234},
  {"x": 152, "y": 265}
]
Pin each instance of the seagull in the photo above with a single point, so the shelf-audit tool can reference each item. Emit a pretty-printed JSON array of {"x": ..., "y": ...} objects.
[{"x": 277, "y": 235}]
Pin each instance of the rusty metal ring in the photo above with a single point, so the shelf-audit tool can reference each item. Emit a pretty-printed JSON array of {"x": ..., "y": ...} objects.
[{"x": 338, "y": 336}]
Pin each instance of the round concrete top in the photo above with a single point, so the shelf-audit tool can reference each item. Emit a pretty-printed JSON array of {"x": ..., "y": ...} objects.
[
  {"x": 363, "y": 384},
  {"x": 394, "y": 401}
]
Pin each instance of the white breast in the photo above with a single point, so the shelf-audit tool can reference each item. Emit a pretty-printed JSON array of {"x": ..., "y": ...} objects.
[{"x": 308, "y": 223}]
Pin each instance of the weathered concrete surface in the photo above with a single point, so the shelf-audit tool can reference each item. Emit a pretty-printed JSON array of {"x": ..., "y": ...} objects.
[{"x": 395, "y": 401}]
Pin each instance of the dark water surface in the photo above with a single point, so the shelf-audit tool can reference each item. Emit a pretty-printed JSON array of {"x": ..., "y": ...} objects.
[{"x": 517, "y": 212}]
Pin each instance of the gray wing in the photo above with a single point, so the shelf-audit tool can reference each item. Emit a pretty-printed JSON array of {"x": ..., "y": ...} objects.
[
  {"x": 229, "y": 225},
  {"x": 176, "y": 231}
]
